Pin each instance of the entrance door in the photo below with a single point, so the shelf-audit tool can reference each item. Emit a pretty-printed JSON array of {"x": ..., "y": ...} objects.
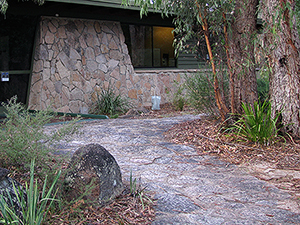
[{"x": 16, "y": 45}]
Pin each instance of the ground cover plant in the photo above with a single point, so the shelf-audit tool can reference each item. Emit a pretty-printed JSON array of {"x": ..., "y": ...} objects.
[
  {"x": 33, "y": 207},
  {"x": 200, "y": 92}
]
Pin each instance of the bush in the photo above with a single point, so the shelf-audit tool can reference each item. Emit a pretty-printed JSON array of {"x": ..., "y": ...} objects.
[
  {"x": 108, "y": 103},
  {"x": 257, "y": 125},
  {"x": 200, "y": 92},
  {"x": 179, "y": 98},
  {"x": 22, "y": 137}
]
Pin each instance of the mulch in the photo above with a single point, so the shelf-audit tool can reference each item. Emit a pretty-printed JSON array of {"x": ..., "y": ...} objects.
[
  {"x": 125, "y": 209},
  {"x": 206, "y": 135},
  {"x": 283, "y": 155}
]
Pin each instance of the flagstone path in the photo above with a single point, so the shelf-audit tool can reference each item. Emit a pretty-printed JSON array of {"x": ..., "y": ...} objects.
[{"x": 190, "y": 189}]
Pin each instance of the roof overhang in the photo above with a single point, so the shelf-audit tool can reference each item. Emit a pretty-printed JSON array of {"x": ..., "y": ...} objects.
[
  {"x": 103, "y": 3},
  {"x": 112, "y": 10}
]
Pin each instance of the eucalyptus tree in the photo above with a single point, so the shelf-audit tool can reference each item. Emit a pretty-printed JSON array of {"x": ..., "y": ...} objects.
[
  {"x": 241, "y": 53},
  {"x": 281, "y": 40},
  {"x": 235, "y": 22}
]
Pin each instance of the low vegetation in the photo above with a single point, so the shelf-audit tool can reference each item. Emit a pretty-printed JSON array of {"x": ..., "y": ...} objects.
[
  {"x": 29, "y": 153},
  {"x": 257, "y": 124},
  {"x": 33, "y": 207},
  {"x": 109, "y": 103},
  {"x": 200, "y": 93},
  {"x": 22, "y": 138}
]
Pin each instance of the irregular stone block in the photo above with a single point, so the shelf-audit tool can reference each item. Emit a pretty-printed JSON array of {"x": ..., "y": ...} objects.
[{"x": 94, "y": 163}]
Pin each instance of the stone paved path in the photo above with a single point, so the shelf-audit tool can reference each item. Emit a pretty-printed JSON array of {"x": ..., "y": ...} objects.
[{"x": 190, "y": 189}]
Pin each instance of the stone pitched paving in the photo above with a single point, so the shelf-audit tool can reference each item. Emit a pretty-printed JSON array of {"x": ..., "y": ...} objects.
[{"x": 189, "y": 188}]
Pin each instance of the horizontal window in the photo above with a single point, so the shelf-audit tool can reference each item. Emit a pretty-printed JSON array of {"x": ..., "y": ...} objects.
[{"x": 150, "y": 46}]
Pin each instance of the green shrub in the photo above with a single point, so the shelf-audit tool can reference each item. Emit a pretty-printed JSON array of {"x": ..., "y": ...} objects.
[
  {"x": 179, "y": 98},
  {"x": 35, "y": 209},
  {"x": 200, "y": 92},
  {"x": 108, "y": 103},
  {"x": 23, "y": 138},
  {"x": 257, "y": 124}
]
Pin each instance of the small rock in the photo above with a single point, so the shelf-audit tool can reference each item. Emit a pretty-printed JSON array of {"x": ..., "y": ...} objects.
[
  {"x": 93, "y": 165},
  {"x": 132, "y": 112}
]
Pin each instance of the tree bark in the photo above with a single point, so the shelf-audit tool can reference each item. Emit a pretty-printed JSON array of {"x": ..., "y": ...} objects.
[
  {"x": 223, "y": 110},
  {"x": 241, "y": 33},
  {"x": 282, "y": 40}
]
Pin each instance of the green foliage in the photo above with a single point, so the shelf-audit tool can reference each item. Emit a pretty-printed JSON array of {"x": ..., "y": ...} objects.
[
  {"x": 200, "y": 92},
  {"x": 23, "y": 137},
  {"x": 109, "y": 103},
  {"x": 35, "y": 209},
  {"x": 257, "y": 124},
  {"x": 136, "y": 191},
  {"x": 178, "y": 98}
]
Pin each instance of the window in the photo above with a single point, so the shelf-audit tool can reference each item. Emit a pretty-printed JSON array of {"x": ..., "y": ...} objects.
[
  {"x": 150, "y": 46},
  {"x": 16, "y": 45}
]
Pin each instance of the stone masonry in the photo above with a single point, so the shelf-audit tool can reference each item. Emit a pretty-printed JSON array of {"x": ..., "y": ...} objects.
[{"x": 75, "y": 58}]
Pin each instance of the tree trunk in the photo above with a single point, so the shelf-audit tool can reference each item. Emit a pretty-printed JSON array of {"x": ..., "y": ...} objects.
[
  {"x": 282, "y": 41},
  {"x": 223, "y": 110},
  {"x": 241, "y": 33}
]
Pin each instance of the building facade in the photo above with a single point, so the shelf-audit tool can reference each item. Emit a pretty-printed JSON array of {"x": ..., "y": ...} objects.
[{"x": 61, "y": 54}]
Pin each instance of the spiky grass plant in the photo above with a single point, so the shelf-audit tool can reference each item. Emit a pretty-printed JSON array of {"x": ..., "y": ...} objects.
[
  {"x": 137, "y": 191},
  {"x": 257, "y": 124},
  {"x": 108, "y": 103},
  {"x": 33, "y": 209}
]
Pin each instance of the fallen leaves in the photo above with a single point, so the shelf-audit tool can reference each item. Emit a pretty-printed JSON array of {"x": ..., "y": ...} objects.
[
  {"x": 125, "y": 209},
  {"x": 205, "y": 135}
]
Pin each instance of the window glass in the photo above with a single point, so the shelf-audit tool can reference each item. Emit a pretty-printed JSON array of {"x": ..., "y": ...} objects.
[
  {"x": 16, "y": 45},
  {"x": 16, "y": 42},
  {"x": 150, "y": 46}
]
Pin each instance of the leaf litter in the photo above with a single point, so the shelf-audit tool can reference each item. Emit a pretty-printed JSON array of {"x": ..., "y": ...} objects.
[{"x": 278, "y": 164}]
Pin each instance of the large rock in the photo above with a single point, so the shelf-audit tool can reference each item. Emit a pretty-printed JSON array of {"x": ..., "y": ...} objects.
[
  {"x": 93, "y": 166},
  {"x": 8, "y": 191}
]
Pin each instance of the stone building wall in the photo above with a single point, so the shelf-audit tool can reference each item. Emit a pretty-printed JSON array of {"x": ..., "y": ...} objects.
[{"x": 75, "y": 58}]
